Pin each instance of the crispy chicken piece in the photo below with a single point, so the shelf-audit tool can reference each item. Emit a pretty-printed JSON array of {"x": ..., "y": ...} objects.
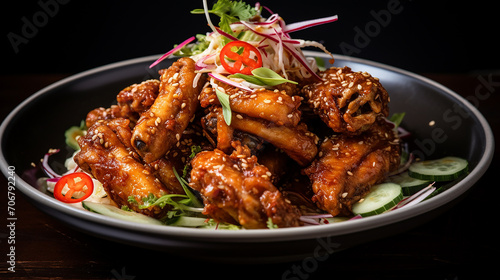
[
  {"x": 161, "y": 126},
  {"x": 139, "y": 97},
  {"x": 132, "y": 101},
  {"x": 106, "y": 153},
  {"x": 275, "y": 106},
  {"x": 240, "y": 187},
  {"x": 178, "y": 158},
  {"x": 102, "y": 113},
  {"x": 348, "y": 102},
  {"x": 297, "y": 142},
  {"x": 348, "y": 166},
  {"x": 215, "y": 127}
]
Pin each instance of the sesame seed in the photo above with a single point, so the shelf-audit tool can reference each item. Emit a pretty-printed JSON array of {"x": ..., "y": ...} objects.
[
  {"x": 177, "y": 136},
  {"x": 267, "y": 101},
  {"x": 183, "y": 105},
  {"x": 349, "y": 173},
  {"x": 239, "y": 116},
  {"x": 289, "y": 116},
  {"x": 344, "y": 195}
]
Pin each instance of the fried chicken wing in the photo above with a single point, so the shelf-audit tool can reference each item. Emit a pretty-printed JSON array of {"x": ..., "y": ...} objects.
[
  {"x": 215, "y": 127},
  {"x": 138, "y": 98},
  {"x": 161, "y": 126},
  {"x": 239, "y": 186},
  {"x": 348, "y": 166},
  {"x": 132, "y": 101},
  {"x": 348, "y": 102},
  {"x": 297, "y": 142},
  {"x": 106, "y": 153},
  {"x": 272, "y": 105},
  {"x": 178, "y": 158}
]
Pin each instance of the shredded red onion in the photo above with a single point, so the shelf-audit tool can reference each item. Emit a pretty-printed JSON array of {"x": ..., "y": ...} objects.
[
  {"x": 228, "y": 81},
  {"x": 296, "y": 54},
  {"x": 308, "y": 23},
  {"x": 200, "y": 64},
  {"x": 187, "y": 41},
  {"x": 227, "y": 35},
  {"x": 45, "y": 164},
  {"x": 417, "y": 197},
  {"x": 405, "y": 167}
]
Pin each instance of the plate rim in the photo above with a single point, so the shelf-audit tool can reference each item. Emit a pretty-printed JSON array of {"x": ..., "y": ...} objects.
[{"x": 259, "y": 235}]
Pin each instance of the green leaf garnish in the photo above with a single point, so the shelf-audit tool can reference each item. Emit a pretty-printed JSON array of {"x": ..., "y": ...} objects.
[
  {"x": 263, "y": 77},
  {"x": 226, "y": 108},
  {"x": 249, "y": 78},
  {"x": 270, "y": 224},
  {"x": 229, "y": 12},
  {"x": 269, "y": 77},
  {"x": 193, "y": 199},
  {"x": 397, "y": 118},
  {"x": 320, "y": 62}
]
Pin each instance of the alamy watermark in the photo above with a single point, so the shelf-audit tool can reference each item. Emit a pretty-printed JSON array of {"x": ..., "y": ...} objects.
[{"x": 32, "y": 25}]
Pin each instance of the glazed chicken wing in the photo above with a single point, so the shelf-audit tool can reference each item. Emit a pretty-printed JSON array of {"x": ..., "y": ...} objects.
[
  {"x": 348, "y": 102},
  {"x": 297, "y": 142},
  {"x": 161, "y": 127},
  {"x": 272, "y": 105},
  {"x": 106, "y": 153},
  {"x": 132, "y": 101},
  {"x": 241, "y": 188},
  {"x": 348, "y": 166}
]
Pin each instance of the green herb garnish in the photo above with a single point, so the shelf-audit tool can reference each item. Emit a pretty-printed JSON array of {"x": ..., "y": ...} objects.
[
  {"x": 226, "y": 108},
  {"x": 229, "y": 12},
  {"x": 263, "y": 77}
]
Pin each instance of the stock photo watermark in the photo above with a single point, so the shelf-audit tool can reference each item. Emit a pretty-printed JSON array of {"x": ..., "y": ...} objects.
[
  {"x": 455, "y": 116},
  {"x": 364, "y": 34},
  {"x": 325, "y": 247},
  {"x": 30, "y": 26},
  {"x": 11, "y": 219}
]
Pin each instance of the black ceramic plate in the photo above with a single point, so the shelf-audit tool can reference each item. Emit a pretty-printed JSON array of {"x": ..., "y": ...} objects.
[{"x": 40, "y": 121}]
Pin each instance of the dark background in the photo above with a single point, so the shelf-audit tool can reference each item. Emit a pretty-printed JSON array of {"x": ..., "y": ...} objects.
[
  {"x": 430, "y": 37},
  {"x": 451, "y": 42}
]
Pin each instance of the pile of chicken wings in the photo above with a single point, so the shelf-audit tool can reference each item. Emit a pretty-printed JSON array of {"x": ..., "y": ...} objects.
[{"x": 329, "y": 136}]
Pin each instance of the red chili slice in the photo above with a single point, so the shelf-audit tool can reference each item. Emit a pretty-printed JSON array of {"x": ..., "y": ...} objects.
[
  {"x": 240, "y": 52},
  {"x": 76, "y": 182}
]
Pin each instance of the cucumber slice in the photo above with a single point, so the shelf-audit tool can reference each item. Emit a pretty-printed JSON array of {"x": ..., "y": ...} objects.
[
  {"x": 444, "y": 169},
  {"x": 409, "y": 184},
  {"x": 72, "y": 133},
  {"x": 381, "y": 198},
  {"x": 114, "y": 212}
]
